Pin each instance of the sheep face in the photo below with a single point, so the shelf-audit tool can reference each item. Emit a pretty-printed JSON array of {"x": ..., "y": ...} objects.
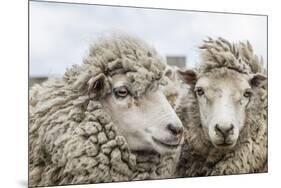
[
  {"x": 148, "y": 122},
  {"x": 223, "y": 97},
  {"x": 173, "y": 87}
]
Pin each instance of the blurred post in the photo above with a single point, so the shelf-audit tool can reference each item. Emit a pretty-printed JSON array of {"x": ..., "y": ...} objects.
[{"x": 178, "y": 61}]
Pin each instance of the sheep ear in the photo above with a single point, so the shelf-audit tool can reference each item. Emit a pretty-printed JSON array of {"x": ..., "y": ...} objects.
[
  {"x": 96, "y": 85},
  {"x": 256, "y": 80},
  {"x": 188, "y": 76}
]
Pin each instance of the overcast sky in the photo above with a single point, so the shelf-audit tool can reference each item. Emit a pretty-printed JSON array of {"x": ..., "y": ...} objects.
[{"x": 60, "y": 33}]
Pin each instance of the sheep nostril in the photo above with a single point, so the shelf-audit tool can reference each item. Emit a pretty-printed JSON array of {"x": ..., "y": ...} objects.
[
  {"x": 225, "y": 130},
  {"x": 217, "y": 129},
  {"x": 230, "y": 130},
  {"x": 175, "y": 129}
]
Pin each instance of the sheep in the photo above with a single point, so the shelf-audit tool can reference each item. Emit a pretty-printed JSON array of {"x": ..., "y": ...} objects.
[
  {"x": 172, "y": 90},
  {"x": 224, "y": 112},
  {"x": 105, "y": 120}
]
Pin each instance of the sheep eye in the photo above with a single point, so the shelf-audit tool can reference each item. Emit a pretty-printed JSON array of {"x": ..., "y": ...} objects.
[
  {"x": 247, "y": 94},
  {"x": 121, "y": 92},
  {"x": 199, "y": 91}
]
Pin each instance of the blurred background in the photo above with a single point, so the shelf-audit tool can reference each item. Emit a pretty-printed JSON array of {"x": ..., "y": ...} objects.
[{"x": 60, "y": 33}]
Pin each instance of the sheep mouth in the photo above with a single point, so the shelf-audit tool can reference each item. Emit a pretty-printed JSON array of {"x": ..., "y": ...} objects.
[
  {"x": 225, "y": 145},
  {"x": 165, "y": 144}
]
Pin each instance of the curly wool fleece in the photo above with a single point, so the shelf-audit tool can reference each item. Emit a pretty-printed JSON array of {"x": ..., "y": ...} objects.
[
  {"x": 199, "y": 157},
  {"x": 72, "y": 138},
  {"x": 236, "y": 56}
]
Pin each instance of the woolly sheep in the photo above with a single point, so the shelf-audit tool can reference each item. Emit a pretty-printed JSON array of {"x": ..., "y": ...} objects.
[
  {"x": 224, "y": 112},
  {"x": 174, "y": 87},
  {"x": 105, "y": 120}
]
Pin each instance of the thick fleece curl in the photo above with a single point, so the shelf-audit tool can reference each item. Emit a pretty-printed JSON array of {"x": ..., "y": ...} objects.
[
  {"x": 72, "y": 138},
  {"x": 199, "y": 157},
  {"x": 237, "y": 56}
]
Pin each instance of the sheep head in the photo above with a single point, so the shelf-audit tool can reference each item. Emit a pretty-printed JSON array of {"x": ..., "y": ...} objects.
[
  {"x": 127, "y": 85},
  {"x": 224, "y": 87},
  {"x": 174, "y": 86},
  {"x": 223, "y": 96},
  {"x": 148, "y": 122}
]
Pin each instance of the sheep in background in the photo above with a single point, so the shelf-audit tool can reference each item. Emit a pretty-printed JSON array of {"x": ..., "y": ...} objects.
[
  {"x": 106, "y": 120},
  {"x": 224, "y": 112},
  {"x": 174, "y": 87}
]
